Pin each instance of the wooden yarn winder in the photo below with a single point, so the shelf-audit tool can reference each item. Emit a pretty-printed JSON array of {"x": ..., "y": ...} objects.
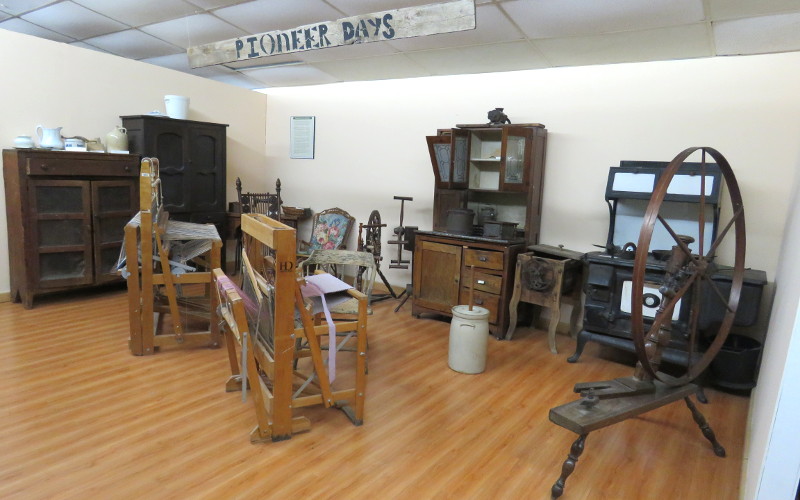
[
  {"x": 163, "y": 261},
  {"x": 605, "y": 403},
  {"x": 262, "y": 334}
]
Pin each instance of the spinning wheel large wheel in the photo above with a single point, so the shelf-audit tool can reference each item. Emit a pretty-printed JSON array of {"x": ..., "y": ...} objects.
[
  {"x": 372, "y": 238},
  {"x": 692, "y": 273}
]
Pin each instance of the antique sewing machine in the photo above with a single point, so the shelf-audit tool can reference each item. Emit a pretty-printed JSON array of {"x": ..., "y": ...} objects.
[{"x": 665, "y": 297}]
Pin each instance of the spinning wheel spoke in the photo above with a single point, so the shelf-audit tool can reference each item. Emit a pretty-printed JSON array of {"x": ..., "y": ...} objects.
[
  {"x": 675, "y": 236},
  {"x": 738, "y": 215}
]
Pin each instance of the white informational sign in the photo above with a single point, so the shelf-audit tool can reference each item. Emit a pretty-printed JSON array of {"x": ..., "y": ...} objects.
[{"x": 301, "y": 139}]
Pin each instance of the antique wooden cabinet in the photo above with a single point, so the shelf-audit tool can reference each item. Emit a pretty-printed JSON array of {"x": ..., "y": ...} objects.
[
  {"x": 192, "y": 155},
  {"x": 66, "y": 212},
  {"x": 448, "y": 267},
  {"x": 475, "y": 167},
  {"x": 502, "y": 167}
]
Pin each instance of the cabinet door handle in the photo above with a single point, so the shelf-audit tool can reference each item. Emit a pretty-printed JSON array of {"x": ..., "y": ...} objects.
[
  {"x": 482, "y": 258},
  {"x": 479, "y": 301},
  {"x": 481, "y": 282},
  {"x": 44, "y": 166},
  {"x": 127, "y": 168}
]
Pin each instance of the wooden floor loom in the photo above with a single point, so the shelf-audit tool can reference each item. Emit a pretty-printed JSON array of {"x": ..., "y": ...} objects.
[
  {"x": 263, "y": 319},
  {"x": 162, "y": 263}
]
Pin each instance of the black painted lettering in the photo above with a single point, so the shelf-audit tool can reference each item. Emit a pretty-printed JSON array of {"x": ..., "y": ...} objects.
[
  {"x": 375, "y": 23},
  {"x": 310, "y": 39},
  {"x": 323, "y": 40},
  {"x": 361, "y": 31},
  {"x": 239, "y": 47},
  {"x": 283, "y": 42},
  {"x": 389, "y": 32},
  {"x": 252, "y": 41},
  {"x": 296, "y": 38},
  {"x": 348, "y": 31}
]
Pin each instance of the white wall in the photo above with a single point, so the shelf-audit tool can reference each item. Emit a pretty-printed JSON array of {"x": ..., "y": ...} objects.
[
  {"x": 371, "y": 146},
  {"x": 371, "y": 138},
  {"x": 85, "y": 92}
]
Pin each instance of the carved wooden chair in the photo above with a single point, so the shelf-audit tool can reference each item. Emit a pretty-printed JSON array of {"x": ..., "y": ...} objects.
[
  {"x": 268, "y": 204},
  {"x": 329, "y": 231}
]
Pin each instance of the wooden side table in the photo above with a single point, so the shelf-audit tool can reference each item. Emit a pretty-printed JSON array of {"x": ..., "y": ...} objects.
[{"x": 547, "y": 276}]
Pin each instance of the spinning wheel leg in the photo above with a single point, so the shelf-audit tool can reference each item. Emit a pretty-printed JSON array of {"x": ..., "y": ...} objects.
[
  {"x": 705, "y": 428},
  {"x": 569, "y": 466}
]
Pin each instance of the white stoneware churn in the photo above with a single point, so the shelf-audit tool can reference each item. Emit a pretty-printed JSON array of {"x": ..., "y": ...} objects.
[{"x": 469, "y": 339}]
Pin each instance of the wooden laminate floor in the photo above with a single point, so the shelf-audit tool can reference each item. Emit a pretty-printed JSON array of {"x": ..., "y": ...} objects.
[{"x": 81, "y": 418}]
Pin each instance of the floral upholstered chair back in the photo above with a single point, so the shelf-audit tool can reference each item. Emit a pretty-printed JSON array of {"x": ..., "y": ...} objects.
[{"x": 329, "y": 230}]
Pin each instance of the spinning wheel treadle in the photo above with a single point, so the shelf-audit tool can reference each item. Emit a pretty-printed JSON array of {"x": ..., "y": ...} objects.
[{"x": 687, "y": 275}]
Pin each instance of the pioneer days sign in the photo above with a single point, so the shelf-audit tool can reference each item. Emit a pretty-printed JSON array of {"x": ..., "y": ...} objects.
[{"x": 379, "y": 26}]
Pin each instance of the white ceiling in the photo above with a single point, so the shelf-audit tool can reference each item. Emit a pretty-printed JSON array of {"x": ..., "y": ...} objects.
[{"x": 510, "y": 34}]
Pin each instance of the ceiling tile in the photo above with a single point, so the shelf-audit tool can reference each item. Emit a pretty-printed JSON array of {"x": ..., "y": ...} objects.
[
  {"x": 735, "y": 9},
  {"x": 179, "y": 62},
  {"x": 73, "y": 20},
  {"x": 679, "y": 42},
  {"x": 549, "y": 19},
  {"x": 373, "y": 68},
  {"x": 4, "y": 16},
  {"x": 194, "y": 30},
  {"x": 759, "y": 35},
  {"x": 491, "y": 26},
  {"x": 290, "y": 76},
  {"x": 20, "y": 26},
  {"x": 354, "y": 51},
  {"x": 213, "y": 4},
  {"x": 140, "y": 12},
  {"x": 85, "y": 45},
  {"x": 133, "y": 44},
  {"x": 509, "y": 56},
  {"x": 358, "y": 7},
  {"x": 17, "y": 7},
  {"x": 261, "y": 16},
  {"x": 238, "y": 80}
]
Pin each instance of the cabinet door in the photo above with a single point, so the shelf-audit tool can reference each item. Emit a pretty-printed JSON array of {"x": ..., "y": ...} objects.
[
  {"x": 169, "y": 146},
  {"x": 516, "y": 158},
  {"x": 459, "y": 176},
  {"x": 60, "y": 252},
  {"x": 113, "y": 205},
  {"x": 437, "y": 275},
  {"x": 207, "y": 172},
  {"x": 440, "y": 149}
]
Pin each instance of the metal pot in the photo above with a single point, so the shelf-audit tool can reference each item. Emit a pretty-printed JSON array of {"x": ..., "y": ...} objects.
[
  {"x": 459, "y": 220},
  {"x": 499, "y": 229}
]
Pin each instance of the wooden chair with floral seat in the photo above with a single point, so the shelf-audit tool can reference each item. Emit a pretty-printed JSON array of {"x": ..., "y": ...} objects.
[{"x": 329, "y": 231}]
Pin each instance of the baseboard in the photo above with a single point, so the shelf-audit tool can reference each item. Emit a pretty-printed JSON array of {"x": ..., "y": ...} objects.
[{"x": 5, "y": 297}]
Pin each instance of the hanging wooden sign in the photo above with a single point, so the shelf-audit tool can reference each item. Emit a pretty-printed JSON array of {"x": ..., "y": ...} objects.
[{"x": 407, "y": 22}]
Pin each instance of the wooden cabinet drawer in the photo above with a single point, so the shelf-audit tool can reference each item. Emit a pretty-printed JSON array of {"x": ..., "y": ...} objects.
[
  {"x": 488, "y": 301},
  {"x": 486, "y": 259},
  {"x": 484, "y": 282},
  {"x": 127, "y": 166}
]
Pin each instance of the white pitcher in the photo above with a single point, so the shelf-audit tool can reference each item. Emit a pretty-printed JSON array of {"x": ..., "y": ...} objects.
[{"x": 50, "y": 138}]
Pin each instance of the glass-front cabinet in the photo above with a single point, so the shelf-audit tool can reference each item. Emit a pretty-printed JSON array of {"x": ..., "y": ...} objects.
[{"x": 490, "y": 169}]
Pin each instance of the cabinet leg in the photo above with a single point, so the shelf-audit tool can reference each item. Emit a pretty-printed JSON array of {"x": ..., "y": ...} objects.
[
  {"x": 705, "y": 428},
  {"x": 580, "y": 343},
  {"x": 569, "y": 466}
]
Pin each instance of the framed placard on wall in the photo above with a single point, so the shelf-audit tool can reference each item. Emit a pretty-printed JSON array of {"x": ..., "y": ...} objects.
[{"x": 301, "y": 138}]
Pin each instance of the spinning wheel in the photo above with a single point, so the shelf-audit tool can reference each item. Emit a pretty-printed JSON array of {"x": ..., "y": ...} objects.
[
  {"x": 539, "y": 275},
  {"x": 372, "y": 238},
  {"x": 686, "y": 271},
  {"x": 687, "y": 275}
]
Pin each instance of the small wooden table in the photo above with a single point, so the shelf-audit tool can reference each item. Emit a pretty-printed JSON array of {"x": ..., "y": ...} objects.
[{"x": 547, "y": 276}]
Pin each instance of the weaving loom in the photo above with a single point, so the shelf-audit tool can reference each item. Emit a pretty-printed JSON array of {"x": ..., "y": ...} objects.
[
  {"x": 262, "y": 320},
  {"x": 168, "y": 269}
]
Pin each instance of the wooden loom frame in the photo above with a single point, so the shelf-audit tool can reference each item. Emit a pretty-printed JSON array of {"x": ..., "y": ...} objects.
[
  {"x": 146, "y": 232},
  {"x": 270, "y": 375}
]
